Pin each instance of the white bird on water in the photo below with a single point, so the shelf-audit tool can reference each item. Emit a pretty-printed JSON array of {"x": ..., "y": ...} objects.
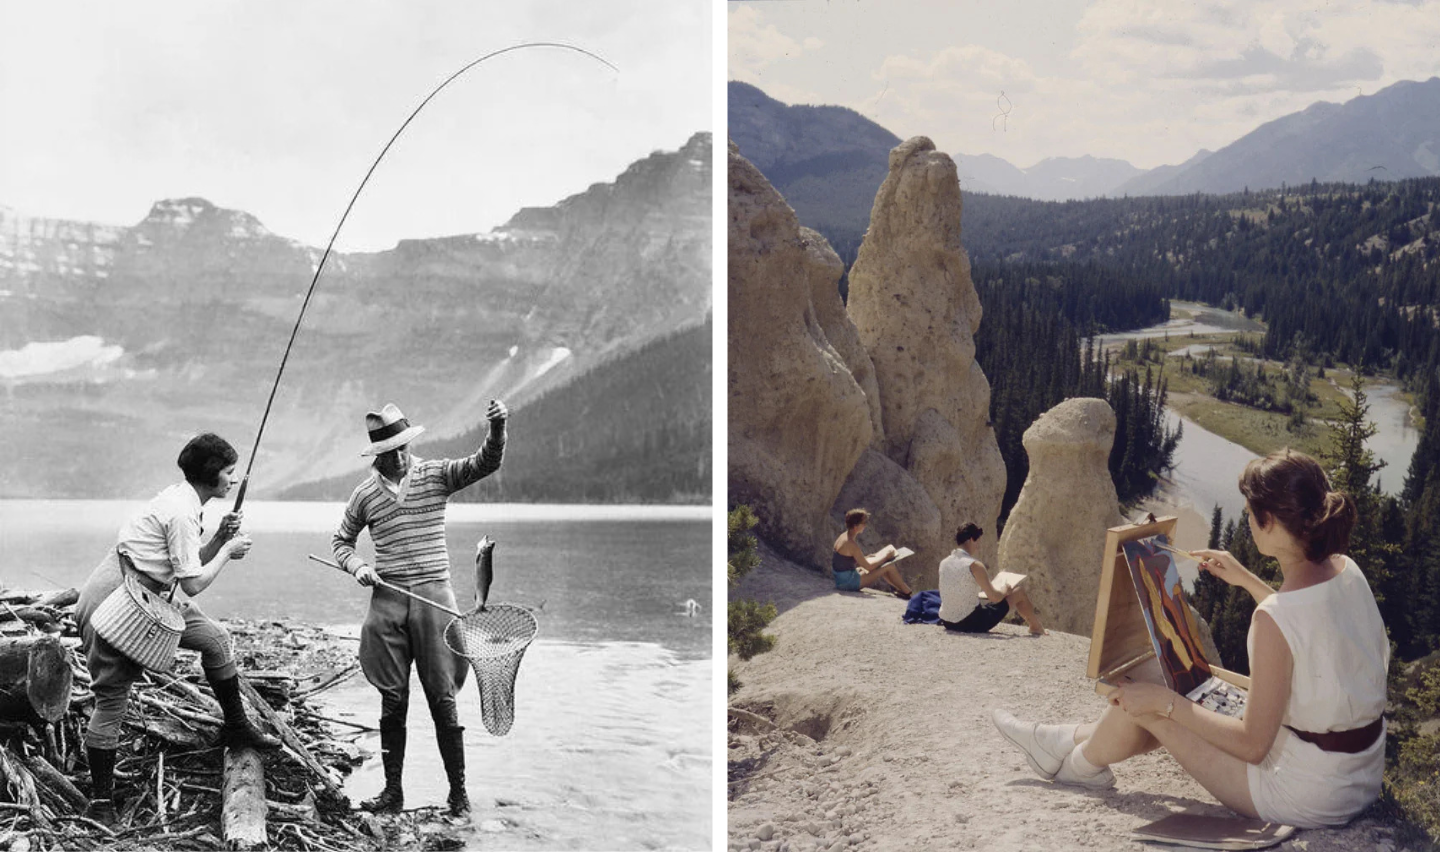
[{"x": 692, "y": 608}]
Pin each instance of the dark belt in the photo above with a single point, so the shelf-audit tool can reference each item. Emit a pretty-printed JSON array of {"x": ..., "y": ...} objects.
[
  {"x": 144, "y": 579},
  {"x": 1352, "y": 741}
]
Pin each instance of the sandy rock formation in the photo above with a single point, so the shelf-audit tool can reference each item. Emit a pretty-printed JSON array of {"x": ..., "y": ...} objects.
[
  {"x": 798, "y": 419},
  {"x": 902, "y": 512},
  {"x": 839, "y": 329},
  {"x": 1056, "y": 532},
  {"x": 916, "y": 310}
]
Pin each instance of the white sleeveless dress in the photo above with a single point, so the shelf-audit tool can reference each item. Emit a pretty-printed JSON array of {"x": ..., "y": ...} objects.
[{"x": 1341, "y": 657}]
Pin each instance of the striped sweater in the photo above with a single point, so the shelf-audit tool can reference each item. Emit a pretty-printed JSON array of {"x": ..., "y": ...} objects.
[{"x": 408, "y": 528}]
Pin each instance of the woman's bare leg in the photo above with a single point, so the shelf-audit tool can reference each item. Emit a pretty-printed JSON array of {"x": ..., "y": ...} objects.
[
  {"x": 1020, "y": 602},
  {"x": 1113, "y": 738},
  {"x": 1118, "y": 736},
  {"x": 892, "y": 576},
  {"x": 889, "y": 574}
]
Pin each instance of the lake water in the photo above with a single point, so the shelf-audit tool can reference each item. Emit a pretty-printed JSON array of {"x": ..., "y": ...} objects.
[{"x": 611, "y": 746}]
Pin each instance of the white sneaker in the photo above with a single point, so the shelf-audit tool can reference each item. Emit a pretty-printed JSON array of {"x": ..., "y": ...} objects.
[
  {"x": 1102, "y": 780},
  {"x": 1044, "y": 754}
]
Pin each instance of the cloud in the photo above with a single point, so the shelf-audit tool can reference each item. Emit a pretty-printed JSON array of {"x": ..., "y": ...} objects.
[
  {"x": 754, "y": 44},
  {"x": 1275, "y": 45},
  {"x": 1307, "y": 69},
  {"x": 1150, "y": 81}
]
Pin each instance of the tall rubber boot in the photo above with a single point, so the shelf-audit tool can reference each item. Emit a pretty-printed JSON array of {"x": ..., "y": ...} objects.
[
  {"x": 451, "y": 740},
  {"x": 102, "y": 785},
  {"x": 392, "y": 756},
  {"x": 238, "y": 731}
]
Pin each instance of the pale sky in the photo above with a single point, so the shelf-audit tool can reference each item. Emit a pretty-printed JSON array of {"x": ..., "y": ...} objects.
[
  {"x": 278, "y": 108},
  {"x": 1149, "y": 81}
]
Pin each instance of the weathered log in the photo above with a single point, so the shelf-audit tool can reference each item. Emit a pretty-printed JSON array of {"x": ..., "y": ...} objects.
[
  {"x": 54, "y": 780},
  {"x": 291, "y": 740},
  {"x": 243, "y": 810},
  {"x": 35, "y": 678},
  {"x": 21, "y": 784},
  {"x": 167, "y": 728},
  {"x": 59, "y": 599},
  {"x": 44, "y": 619}
]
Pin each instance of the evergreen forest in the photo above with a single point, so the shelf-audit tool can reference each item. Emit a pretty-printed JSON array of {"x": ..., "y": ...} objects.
[
  {"x": 1352, "y": 269},
  {"x": 1030, "y": 347}
]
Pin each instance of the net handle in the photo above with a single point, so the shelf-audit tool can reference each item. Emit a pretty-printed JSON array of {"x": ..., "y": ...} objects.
[{"x": 391, "y": 586}]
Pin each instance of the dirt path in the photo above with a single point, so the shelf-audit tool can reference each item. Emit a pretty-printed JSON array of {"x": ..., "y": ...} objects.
[{"x": 895, "y": 749}]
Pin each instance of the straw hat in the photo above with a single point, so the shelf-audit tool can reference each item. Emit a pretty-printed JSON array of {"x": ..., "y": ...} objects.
[{"x": 388, "y": 430}]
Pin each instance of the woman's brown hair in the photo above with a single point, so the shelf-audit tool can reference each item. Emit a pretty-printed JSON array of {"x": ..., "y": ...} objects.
[
  {"x": 1291, "y": 488},
  {"x": 855, "y": 517}
]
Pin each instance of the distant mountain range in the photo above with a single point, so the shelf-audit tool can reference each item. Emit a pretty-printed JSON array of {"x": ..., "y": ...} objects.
[
  {"x": 120, "y": 341},
  {"x": 829, "y": 161},
  {"x": 1392, "y": 134}
]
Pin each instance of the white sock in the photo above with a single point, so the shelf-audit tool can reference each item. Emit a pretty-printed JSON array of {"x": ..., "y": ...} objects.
[
  {"x": 1058, "y": 739},
  {"x": 1080, "y": 766}
]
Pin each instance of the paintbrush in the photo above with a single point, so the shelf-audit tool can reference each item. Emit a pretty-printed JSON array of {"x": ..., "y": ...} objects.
[{"x": 1174, "y": 550}]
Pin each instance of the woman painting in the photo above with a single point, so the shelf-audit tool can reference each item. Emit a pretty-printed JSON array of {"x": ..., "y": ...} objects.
[
  {"x": 1310, "y": 748},
  {"x": 161, "y": 548},
  {"x": 848, "y": 560}
]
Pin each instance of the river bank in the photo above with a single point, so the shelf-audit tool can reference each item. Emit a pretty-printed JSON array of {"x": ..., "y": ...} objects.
[
  {"x": 1196, "y": 331},
  {"x": 875, "y": 734}
]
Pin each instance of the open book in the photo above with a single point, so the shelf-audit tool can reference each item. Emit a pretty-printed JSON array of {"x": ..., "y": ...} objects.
[
  {"x": 900, "y": 553},
  {"x": 1005, "y": 582},
  {"x": 1173, "y": 631},
  {"x": 1214, "y": 832}
]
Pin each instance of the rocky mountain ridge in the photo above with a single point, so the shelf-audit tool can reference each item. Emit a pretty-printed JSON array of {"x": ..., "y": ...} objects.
[
  {"x": 1392, "y": 134},
  {"x": 829, "y": 161},
  {"x": 192, "y": 307}
]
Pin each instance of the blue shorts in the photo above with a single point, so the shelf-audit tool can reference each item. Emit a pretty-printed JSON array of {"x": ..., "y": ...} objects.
[{"x": 847, "y": 581}]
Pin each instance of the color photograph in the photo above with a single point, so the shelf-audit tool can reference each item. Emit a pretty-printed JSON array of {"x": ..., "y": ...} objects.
[{"x": 1003, "y": 279}]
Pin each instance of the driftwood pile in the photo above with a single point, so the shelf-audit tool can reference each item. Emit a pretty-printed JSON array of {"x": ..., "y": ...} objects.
[{"x": 174, "y": 788}]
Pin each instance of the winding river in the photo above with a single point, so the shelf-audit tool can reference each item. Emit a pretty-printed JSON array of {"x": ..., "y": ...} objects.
[{"x": 1206, "y": 465}]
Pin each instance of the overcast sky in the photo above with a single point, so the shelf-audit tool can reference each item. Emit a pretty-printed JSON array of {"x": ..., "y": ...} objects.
[
  {"x": 1149, "y": 81},
  {"x": 278, "y": 108}
]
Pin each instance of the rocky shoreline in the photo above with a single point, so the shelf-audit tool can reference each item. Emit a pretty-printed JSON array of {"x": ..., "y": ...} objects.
[{"x": 170, "y": 778}]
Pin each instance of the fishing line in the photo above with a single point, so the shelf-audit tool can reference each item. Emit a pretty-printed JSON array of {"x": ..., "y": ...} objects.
[{"x": 245, "y": 483}]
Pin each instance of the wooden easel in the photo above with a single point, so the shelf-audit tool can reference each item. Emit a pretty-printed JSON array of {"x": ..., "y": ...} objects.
[{"x": 1120, "y": 643}]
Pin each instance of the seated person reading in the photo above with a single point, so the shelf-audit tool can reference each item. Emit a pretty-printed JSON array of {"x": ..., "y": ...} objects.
[
  {"x": 963, "y": 578},
  {"x": 854, "y": 570}
]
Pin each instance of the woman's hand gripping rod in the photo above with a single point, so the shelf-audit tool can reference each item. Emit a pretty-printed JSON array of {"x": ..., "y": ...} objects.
[{"x": 391, "y": 586}]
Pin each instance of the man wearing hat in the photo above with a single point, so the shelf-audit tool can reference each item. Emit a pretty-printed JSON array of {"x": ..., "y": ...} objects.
[{"x": 402, "y": 502}]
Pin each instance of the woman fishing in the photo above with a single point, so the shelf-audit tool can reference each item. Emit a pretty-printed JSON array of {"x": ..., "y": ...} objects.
[
  {"x": 1310, "y": 749},
  {"x": 160, "y": 548}
]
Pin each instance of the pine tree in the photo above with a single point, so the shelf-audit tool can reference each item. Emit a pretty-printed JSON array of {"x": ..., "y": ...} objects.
[
  {"x": 1210, "y": 591},
  {"x": 1352, "y": 469},
  {"x": 746, "y": 619}
]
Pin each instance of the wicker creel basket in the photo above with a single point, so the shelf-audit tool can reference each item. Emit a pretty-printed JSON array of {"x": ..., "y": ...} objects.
[{"x": 141, "y": 624}]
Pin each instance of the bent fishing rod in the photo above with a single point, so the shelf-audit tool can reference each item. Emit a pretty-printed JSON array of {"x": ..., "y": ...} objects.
[{"x": 320, "y": 267}]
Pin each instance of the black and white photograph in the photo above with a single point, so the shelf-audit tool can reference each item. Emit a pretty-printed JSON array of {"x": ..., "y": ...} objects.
[{"x": 356, "y": 387}]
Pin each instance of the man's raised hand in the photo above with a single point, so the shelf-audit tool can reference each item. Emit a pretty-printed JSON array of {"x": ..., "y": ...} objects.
[{"x": 497, "y": 413}]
